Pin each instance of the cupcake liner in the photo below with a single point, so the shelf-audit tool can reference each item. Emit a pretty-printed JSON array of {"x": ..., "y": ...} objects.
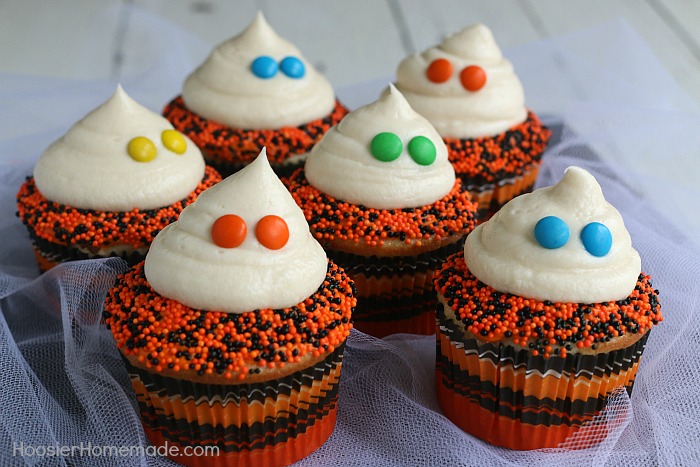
[
  {"x": 275, "y": 422},
  {"x": 388, "y": 265},
  {"x": 490, "y": 198},
  {"x": 49, "y": 255},
  {"x": 381, "y": 317},
  {"x": 495, "y": 169},
  {"x": 225, "y": 167},
  {"x": 395, "y": 294},
  {"x": 513, "y": 399}
]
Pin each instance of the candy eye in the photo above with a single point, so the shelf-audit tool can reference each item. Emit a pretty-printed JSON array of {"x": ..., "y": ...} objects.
[
  {"x": 439, "y": 70},
  {"x": 597, "y": 239},
  {"x": 386, "y": 147},
  {"x": 473, "y": 78},
  {"x": 551, "y": 232},
  {"x": 272, "y": 232},
  {"x": 422, "y": 150},
  {"x": 264, "y": 67},
  {"x": 173, "y": 140},
  {"x": 141, "y": 149},
  {"x": 228, "y": 231},
  {"x": 292, "y": 67}
]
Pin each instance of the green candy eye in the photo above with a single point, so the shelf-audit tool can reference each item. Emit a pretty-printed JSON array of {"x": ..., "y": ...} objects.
[
  {"x": 422, "y": 150},
  {"x": 386, "y": 147}
]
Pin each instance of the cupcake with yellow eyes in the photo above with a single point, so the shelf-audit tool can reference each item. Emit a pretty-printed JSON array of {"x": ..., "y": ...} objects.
[
  {"x": 233, "y": 328},
  {"x": 470, "y": 93},
  {"x": 110, "y": 184},
  {"x": 255, "y": 90},
  {"x": 544, "y": 314},
  {"x": 382, "y": 198}
]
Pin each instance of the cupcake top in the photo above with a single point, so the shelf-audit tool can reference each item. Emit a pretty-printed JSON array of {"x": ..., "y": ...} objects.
[
  {"x": 464, "y": 86},
  {"x": 119, "y": 157},
  {"x": 258, "y": 80},
  {"x": 383, "y": 156},
  {"x": 563, "y": 243},
  {"x": 243, "y": 245}
]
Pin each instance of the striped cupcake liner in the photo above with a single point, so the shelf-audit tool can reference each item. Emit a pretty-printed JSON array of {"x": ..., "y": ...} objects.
[
  {"x": 491, "y": 198},
  {"x": 226, "y": 168},
  {"x": 271, "y": 423},
  {"x": 510, "y": 398},
  {"x": 49, "y": 255},
  {"x": 395, "y": 294}
]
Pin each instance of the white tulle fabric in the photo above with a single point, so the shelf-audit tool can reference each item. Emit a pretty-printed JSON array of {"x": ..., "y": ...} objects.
[{"x": 64, "y": 384}]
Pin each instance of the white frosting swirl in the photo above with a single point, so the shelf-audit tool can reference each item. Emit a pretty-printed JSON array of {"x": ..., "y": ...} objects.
[
  {"x": 504, "y": 253},
  {"x": 342, "y": 164},
  {"x": 224, "y": 89},
  {"x": 454, "y": 111},
  {"x": 184, "y": 264},
  {"x": 90, "y": 167}
]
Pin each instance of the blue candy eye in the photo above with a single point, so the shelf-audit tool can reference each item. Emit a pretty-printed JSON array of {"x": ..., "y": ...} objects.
[
  {"x": 597, "y": 239},
  {"x": 551, "y": 232},
  {"x": 292, "y": 67},
  {"x": 264, "y": 67}
]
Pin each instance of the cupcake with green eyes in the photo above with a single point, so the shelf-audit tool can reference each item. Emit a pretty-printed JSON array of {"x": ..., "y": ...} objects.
[
  {"x": 382, "y": 198},
  {"x": 255, "y": 90},
  {"x": 110, "y": 184}
]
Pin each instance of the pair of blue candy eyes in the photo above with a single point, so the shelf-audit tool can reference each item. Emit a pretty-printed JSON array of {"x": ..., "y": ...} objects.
[
  {"x": 266, "y": 67},
  {"x": 551, "y": 232}
]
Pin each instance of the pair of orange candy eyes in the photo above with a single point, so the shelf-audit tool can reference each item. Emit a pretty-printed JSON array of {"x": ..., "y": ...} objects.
[
  {"x": 472, "y": 77},
  {"x": 230, "y": 230}
]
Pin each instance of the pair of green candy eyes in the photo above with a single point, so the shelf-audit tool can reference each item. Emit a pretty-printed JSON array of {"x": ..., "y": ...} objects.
[{"x": 387, "y": 147}]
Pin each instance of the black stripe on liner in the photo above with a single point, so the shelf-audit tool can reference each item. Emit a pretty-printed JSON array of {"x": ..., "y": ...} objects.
[
  {"x": 225, "y": 167},
  {"x": 234, "y": 438},
  {"x": 60, "y": 253},
  {"x": 386, "y": 309},
  {"x": 515, "y": 405},
  {"x": 381, "y": 266},
  {"x": 580, "y": 365},
  {"x": 233, "y": 393}
]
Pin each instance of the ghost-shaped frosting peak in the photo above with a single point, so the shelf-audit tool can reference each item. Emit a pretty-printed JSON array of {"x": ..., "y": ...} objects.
[
  {"x": 226, "y": 252},
  {"x": 119, "y": 157},
  {"x": 258, "y": 80},
  {"x": 563, "y": 243},
  {"x": 464, "y": 86},
  {"x": 384, "y": 156}
]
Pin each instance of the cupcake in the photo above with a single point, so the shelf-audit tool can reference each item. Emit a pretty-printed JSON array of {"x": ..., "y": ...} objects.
[
  {"x": 233, "y": 328},
  {"x": 382, "y": 198},
  {"x": 469, "y": 92},
  {"x": 542, "y": 317},
  {"x": 109, "y": 185},
  {"x": 255, "y": 90}
]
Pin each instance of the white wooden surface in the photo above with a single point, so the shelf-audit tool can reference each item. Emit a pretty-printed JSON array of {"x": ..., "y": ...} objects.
[{"x": 350, "y": 41}]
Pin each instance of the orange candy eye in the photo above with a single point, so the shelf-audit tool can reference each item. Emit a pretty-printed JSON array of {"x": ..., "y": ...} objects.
[
  {"x": 228, "y": 231},
  {"x": 473, "y": 78},
  {"x": 272, "y": 232},
  {"x": 439, "y": 70}
]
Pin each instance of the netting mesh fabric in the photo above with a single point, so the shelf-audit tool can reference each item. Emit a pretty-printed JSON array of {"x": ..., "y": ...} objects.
[{"x": 62, "y": 382}]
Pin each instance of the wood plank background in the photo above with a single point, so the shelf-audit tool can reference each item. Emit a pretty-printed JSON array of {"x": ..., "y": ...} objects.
[{"x": 350, "y": 41}]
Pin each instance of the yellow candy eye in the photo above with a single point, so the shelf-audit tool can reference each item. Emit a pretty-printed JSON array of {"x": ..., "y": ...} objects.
[
  {"x": 173, "y": 140},
  {"x": 142, "y": 149}
]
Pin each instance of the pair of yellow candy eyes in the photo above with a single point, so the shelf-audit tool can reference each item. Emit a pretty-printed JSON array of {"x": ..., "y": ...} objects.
[{"x": 142, "y": 149}]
